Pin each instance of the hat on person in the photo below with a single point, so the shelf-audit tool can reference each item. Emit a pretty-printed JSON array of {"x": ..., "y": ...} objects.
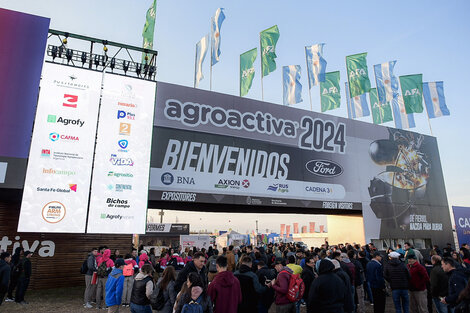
[
  {"x": 176, "y": 254},
  {"x": 394, "y": 255},
  {"x": 119, "y": 262},
  {"x": 412, "y": 256},
  {"x": 27, "y": 253},
  {"x": 335, "y": 263},
  {"x": 345, "y": 258}
]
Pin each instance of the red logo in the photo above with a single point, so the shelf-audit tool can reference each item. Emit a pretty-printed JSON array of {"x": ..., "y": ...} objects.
[
  {"x": 246, "y": 183},
  {"x": 70, "y": 101}
]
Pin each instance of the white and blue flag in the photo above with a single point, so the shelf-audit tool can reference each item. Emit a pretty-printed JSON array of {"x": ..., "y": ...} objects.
[
  {"x": 434, "y": 99},
  {"x": 316, "y": 64},
  {"x": 387, "y": 82},
  {"x": 201, "y": 51},
  {"x": 292, "y": 85},
  {"x": 402, "y": 120},
  {"x": 217, "y": 20},
  {"x": 357, "y": 106}
]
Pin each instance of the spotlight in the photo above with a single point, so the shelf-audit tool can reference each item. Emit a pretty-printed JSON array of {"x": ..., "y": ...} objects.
[
  {"x": 83, "y": 58},
  {"x": 138, "y": 69},
  {"x": 54, "y": 52},
  {"x": 69, "y": 54},
  {"x": 113, "y": 63},
  {"x": 125, "y": 66}
]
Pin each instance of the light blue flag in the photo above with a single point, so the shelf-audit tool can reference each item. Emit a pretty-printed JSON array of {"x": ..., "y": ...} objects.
[
  {"x": 387, "y": 82},
  {"x": 434, "y": 99},
  {"x": 201, "y": 51},
  {"x": 292, "y": 85},
  {"x": 217, "y": 20},
  {"x": 402, "y": 120},
  {"x": 357, "y": 106},
  {"x": 316, "y": 64}
]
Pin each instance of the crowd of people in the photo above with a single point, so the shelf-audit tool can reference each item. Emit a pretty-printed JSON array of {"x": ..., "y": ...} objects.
[{"x": 341, "y": 278}]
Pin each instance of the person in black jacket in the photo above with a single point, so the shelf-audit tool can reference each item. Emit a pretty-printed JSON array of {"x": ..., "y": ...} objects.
[
  {"x": 439, "y": 284},
  {"x": 265, "y": 275},
  {"x": 349, "y": 300},
  {"x": 398, "y": 276},
  {"x": 457, "y": 281},
  {"x": 5, "y": 269},
  {"x": 250, "y": 286},
  {"x": 197, "y": 266},
  {"x": 327, "y": 293},
  {"x": 14, "y": 274},
  {"x": 308, "y": 275},
  {"x": 358, "y": 280},
  {"x": 24, "y": 278}
]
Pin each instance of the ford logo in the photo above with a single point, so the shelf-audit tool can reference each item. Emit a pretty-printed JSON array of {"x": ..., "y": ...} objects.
[{"x": 324, "y": 168}]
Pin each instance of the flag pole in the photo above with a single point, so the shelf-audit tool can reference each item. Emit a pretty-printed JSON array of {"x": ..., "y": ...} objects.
[
  {"x": 429, "y": 120},
  {"x": 195, "y": 67},
  {"x": 210, "y": 79},
  {"x": 308, "y": 77},
  {"x": 261, "y": 50}
]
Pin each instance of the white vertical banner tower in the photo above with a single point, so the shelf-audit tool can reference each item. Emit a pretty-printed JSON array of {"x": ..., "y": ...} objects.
[
  {"x": 57, "y": 184},
  {"x": 119, "y": 190}
]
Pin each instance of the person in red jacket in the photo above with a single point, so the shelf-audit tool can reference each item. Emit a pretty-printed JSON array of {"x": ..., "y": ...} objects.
[
  {"x": 225, "y": 289},
  {"x": 418, "y": 279},
  {"x": 281, "y": 287}
]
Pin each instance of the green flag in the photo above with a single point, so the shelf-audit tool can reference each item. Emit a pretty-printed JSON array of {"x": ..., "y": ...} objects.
[
  {"x": 149, "y": 28},
  {"x": 330, "y": 92},
  {"x": 381, "y": 113},
  {"x": 247, "y": 70},
  {"x": 358, "y": 76},
  {"x": 412, "y": 90},
  {"x": 268, "y": 39}
]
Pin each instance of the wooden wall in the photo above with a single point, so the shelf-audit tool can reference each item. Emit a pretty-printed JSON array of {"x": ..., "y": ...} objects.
[{"x": 62, "y": 269}]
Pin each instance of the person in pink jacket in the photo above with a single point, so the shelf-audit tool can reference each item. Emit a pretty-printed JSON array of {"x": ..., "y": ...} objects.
[
  {"x": 143, "y": 259},
  {"x": 103, "y": 277}
]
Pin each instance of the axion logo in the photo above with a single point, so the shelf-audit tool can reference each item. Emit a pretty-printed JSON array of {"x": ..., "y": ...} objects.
[
  {"x": 324, "y": 168},
  {"x": 226, "y": 183},
  {"x": 246, "y": 183},
  {"x": 70, "y": 101}
]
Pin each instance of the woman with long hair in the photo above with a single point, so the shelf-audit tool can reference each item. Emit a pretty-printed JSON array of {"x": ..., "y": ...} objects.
[
  {"x": 167, "y": 284},
  {"x": 457, "y": 258},
  {"x": 192, "y": 278}
]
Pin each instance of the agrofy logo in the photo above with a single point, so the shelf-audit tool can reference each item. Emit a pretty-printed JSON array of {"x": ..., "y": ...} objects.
[
  {"x": 70, "y": 101},
  {"x": 66, "y": 121},
  {"x": 324, "y": 168}
]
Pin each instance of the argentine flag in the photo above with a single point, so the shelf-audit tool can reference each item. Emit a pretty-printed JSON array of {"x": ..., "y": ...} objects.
[
  {"x": 316, "y": 64},
  {"x": 434, "y": 99},
  {"x": 357, "y": 106},
  {"x": 387, "y": 82},
  {"x": 292, "y": 85},
  {"x": 201, "y": 51},
  {"x": 217, "y": 20},
  {"x": 402, "y": 120}
]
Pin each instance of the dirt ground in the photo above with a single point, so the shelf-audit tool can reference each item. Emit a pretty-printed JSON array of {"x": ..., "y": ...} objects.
[{"x": 70, "y": 300}]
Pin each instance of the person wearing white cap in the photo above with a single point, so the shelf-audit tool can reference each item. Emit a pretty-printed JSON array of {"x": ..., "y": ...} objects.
[{"x": 398, "y": 276}]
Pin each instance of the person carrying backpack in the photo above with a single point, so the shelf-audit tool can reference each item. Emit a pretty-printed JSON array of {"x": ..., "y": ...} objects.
[
  {"x": 211, "y": 265},
  {"x": 196, "y": 301},
  {"x": 281, "y": 287},
  {"x": 130, "y": 268},
  {"x": 164, "y": 296},
  {"x": 91, "y": 267},
  {"x": 114, "y": 287},
  {"x": 105, "y": 265},
  {"x": 142, "y": 290},
  {"x": 143, "y": 259}
]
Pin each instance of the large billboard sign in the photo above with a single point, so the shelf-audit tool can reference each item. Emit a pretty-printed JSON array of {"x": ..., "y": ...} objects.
[
  {"x": 121, "y": 170},
  {"x": 215, "y": 148},
  {"x": 462, "y": 224},
  {"x": 57, "y": 185}
]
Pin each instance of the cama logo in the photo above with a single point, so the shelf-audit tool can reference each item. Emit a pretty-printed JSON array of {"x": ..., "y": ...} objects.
[{"x": 324, "y": 168}]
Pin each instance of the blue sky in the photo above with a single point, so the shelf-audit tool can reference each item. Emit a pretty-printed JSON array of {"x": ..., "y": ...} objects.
[{"x": 428, "y": 37}]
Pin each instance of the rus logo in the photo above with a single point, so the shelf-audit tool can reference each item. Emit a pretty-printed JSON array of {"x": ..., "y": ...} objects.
[{"x": 324, "y": 168}]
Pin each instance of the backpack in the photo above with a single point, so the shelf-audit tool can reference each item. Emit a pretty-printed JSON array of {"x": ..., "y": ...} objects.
[
  {"x": 193, "y": 306},
  {"x": 84, "y": 268},
  {"x": 296, "y": 287},
  {"x": 173, "y": 262},
  {"x": 157, "y": 300},
  {"x": 128, "y": 270},
  {"x": 102, "y": 270},
  {"x": 212, "y": 266}
]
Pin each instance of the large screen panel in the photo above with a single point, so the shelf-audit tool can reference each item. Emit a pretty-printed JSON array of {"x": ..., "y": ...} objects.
[
  {"x": 119, "y": 192},
  {"x": 215, "y": 148},
  {"x": 56, "y": 189}
]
